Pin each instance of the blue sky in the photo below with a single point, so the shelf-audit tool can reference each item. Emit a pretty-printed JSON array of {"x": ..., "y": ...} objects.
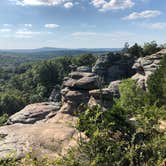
[{"x": 80, "y": 23}]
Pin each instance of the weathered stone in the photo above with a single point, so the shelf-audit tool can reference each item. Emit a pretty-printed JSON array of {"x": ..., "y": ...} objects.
[
  {"x": 55, "y": 95},
  {"x": 145, "y": 66},
  {"x": 114, "y": 86},
  {"x": 84, "y": 83},
  {"x": 101, "y": 65},
  {"x": 112, "y": 68},
  {"x": 49, "y": 139},
  {"x": 78, "y": 75},
  {"x": 84, "y": 69},
  {"x": 105, "y": 94},
  {"x": 69, "y": 83},
  {"x": 87, "y": 83},
  {"x": 77, "y": 96},
  {"x": 75, "y": 91},
  {"x": 34, "y": 113}
]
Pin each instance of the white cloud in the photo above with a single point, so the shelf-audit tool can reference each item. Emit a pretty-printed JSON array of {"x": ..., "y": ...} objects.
[
  {"x": 98, "y": 3},
  {"x": 5, "y": 30},
  {"x": 104, "y": 5},
  {"x": 24, "y": 33},
  {"x": 112, "y": 35},
  {"x": 157, "y": 25},
  {"x": 82, "y": 34},
  {"x": 7, "y": 25},
  {"x": 144, "y": 14},
  {"x": 28, "y": 25},
  {"x": 51, "y": 26},
  {"x": 68, "y": 5}
]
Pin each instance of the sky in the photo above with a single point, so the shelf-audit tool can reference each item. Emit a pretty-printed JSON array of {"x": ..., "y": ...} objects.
[{"x": 26, "y": 24}]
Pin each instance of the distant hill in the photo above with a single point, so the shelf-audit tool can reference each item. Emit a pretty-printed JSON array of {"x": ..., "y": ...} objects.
[
  {"x": 14, "y": 57},
  {"x": 44, "y": 49}
]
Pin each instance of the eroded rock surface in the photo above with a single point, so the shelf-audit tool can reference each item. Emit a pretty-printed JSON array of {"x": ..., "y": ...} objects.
[
  {"x": 75, "y": 90},
  {"x": 112, "y": 68},
  {"x": 34, "y": 113},
  {"x": 84, "y": 69},
  {"x": 146, "y": 66},
  {"x": 51, "y": 138},
  {"x": 105, "y": 96}
]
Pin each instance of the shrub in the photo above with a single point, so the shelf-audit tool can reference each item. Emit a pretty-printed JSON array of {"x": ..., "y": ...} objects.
[
  {"x": 132, "y": 97},
  {"x": 150, "y": 48},
  {"x": 157, "y": 84},
  {"x": 3, "y": 119}
]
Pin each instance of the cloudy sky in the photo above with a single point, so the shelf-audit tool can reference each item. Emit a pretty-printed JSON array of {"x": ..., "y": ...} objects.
[{"x": 80, "y": 23}]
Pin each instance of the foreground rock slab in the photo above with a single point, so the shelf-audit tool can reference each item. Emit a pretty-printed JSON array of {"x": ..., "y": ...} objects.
[
  {"x": 51, "y": 138},
  {"x": 34, "y": 113}
]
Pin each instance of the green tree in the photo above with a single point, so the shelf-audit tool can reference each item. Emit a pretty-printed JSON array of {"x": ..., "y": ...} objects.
[
  {"x": 150, "y": 48},
  {"x": 132, "y": 97},
  {"x": 157, "y": 84},
  {"x": 10, "y": 103},
  {"x": 85, "y": 60},
  {"x": 136, "y": 51}
]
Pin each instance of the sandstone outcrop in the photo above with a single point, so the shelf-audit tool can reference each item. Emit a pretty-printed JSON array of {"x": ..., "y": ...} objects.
[
  {"x": 75, "y": 90},
  {"x": 84, "y": 69},
  {"x": 82, "y": 83},
  {"x": 145, "y": 66},
  {"x": 50, "y": 138},
  {"x": 105, "y": 96},
  {"x": 34, "y": 113},
  {"x": 112, "y": 68}
]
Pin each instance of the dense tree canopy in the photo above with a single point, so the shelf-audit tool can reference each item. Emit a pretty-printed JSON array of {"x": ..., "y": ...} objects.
[{"x": 33, "y": 82}]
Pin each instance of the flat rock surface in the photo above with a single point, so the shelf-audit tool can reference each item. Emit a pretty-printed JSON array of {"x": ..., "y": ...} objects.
[
  {"x": 46, "y": 139},
  {"x": 105, "y": 93},
  {"x": 78, "y": 75},
  {"x": 84, "y": 83},
  {"x": 34, "y": 113}
]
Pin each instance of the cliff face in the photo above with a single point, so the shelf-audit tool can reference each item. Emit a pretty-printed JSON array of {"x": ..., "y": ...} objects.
[
  {"x": 112, "y": 68},
  {"x": 146, "y": 66},
  {"x": 48, "y": 129}
]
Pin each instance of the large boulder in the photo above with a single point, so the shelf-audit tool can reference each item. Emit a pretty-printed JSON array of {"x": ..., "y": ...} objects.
[
  {"x": 55, "y": 95},
  {"x": 34, "y": 113},
  {"x": 113, "y": 67},
  {"x": 87, "y": 83},
  {"x": 114, "y": 87},
  {"x": 81, "y": 83},
  {"x": 84, "y": 69},
  {"x": 78, "y": 75},
  {"x": 75, "y": 90},
  {"x": 105, "y": 96},
  {"x": 77, "y": 96},
  {"x": 146, "y": 66},
  {"x": 51, "y": 138}
]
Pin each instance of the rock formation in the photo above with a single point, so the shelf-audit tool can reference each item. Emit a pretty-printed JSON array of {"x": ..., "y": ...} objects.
[
  {"x": 112, "y": 67},
  {"x": 145, "y": 66},
  {"x": 105, "y": 96},
  {"x": 34, "y": 113},
  {"x": 49, "y": 137},
  {"x": 84, "y": 69},
  {"x": 75, "y": 89}
]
